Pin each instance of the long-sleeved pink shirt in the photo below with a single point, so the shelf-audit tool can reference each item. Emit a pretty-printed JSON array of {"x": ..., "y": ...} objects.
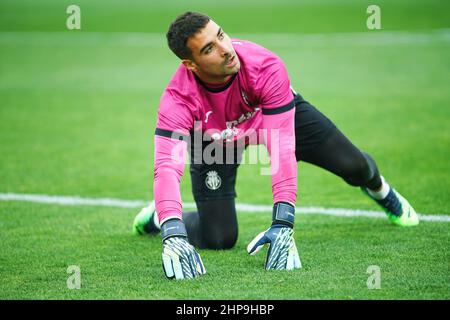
[{"x": 258, "y": 98}]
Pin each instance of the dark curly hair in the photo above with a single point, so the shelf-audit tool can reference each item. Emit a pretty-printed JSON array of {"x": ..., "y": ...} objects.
[{"x": 185, "y": 26}]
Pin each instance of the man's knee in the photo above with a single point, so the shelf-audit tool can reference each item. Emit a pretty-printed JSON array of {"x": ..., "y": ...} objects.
[
  {"x": 220, "y": 240},
  {"x": 218, "y": 223},
  {"x": 360, "y": 171}
]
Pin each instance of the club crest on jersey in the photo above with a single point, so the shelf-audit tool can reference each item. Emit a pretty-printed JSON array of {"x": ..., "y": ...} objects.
[{"x": 213, "y": 180}]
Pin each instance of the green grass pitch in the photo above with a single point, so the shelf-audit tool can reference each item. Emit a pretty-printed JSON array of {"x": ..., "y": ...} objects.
[{"x": 77, "y": 113}]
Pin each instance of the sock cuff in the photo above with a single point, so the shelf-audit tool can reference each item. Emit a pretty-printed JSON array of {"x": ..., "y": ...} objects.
[
  {"x": 382, "y": 193},
  {"x": 156, "y": 220}
]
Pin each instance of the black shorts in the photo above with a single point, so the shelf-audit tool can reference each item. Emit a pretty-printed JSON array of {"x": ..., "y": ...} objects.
[{"x": 218, "y": 181}]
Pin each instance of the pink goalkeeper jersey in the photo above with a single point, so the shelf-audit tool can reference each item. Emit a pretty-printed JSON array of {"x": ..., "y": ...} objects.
[{"x": 257, "y": 98}]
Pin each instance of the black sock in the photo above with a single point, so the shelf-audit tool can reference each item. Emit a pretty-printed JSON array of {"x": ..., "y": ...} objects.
[{"x": 150, "y": 226}]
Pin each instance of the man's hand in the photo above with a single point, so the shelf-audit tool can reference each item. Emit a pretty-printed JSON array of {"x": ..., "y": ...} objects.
[
  {"x": 282, "y": 254},
  {"x": 180, "y": 259}
]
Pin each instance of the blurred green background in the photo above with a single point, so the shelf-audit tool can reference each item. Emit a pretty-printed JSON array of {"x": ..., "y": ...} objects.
[
  {"x": 250, "y": 16},
  {"x": 78, "y": 112}
]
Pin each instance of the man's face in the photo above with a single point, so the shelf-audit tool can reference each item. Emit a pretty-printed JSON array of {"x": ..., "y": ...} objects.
[{"x": 213, "y": 55}]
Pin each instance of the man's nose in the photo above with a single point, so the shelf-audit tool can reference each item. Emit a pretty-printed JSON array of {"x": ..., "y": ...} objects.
[{"x": 225, "y": 50}]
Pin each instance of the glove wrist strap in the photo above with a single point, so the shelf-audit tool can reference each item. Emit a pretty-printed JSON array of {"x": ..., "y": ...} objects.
[
  {"x": 283, "y": 213},
  {"x": 173, "y": 228}
]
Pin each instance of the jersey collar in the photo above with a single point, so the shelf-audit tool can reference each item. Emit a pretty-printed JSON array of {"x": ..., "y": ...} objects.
[{"x": 215, "y": 89}]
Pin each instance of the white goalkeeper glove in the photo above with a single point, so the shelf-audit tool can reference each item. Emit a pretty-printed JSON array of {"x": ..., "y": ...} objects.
[
  {"x": 179, "y": 257},
  {"x": 282, "y": 253}
]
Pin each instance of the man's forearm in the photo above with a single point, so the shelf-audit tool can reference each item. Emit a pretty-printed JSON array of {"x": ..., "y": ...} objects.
[
  {"x": 168, "y": 171},
  {"x": 281, "y": 147}
]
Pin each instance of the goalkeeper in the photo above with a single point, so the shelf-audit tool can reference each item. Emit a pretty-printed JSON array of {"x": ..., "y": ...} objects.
[{"x": 223, "y": 91}]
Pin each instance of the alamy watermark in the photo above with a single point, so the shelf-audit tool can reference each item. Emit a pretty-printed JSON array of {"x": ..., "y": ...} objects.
[
  {"x": 73, "y": 21},
  {"x": 74, "y": 279},
  {"x": 374, "y": 280},
  {"x": 374, "y": 20},
  {"x": 228, "y": 146}
]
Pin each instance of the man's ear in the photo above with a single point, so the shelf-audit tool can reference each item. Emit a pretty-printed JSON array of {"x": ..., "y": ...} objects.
[{"x": 189, "y": 64}]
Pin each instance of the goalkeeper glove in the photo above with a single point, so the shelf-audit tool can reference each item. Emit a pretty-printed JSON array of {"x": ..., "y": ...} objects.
[
  {"x": 282, "y": 253},
  {"x": 180, "y": 259}
]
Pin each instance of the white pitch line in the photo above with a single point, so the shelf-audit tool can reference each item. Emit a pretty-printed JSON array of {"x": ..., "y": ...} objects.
[
  {"x": 71, "y": 200},
  {"x": 243, "y": 207}
]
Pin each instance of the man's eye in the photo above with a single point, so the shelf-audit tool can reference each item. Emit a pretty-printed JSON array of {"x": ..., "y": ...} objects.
[
  {"x": 221, "y": 36},
  {"x": 208, "y": 50}
]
